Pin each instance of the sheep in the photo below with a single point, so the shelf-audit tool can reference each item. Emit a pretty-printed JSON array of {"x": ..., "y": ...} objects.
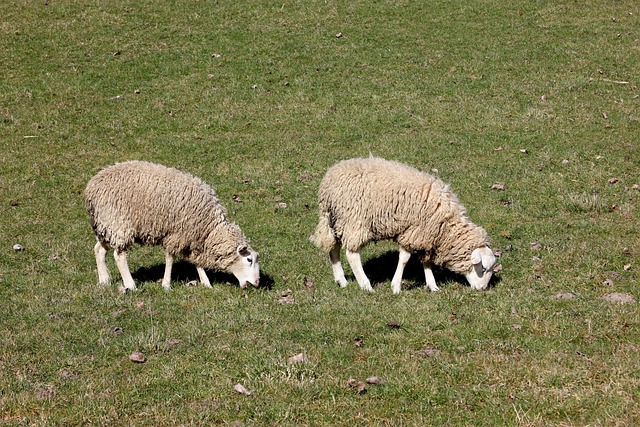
[
  {"x": 146, "y": 203},
  {"x": 371, "y": 199}
]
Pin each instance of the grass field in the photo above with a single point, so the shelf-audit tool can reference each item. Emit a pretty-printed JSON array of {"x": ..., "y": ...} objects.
[{"x": 258, "y": 99}]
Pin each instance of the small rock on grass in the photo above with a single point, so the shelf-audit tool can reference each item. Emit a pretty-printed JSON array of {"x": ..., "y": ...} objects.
[
  {"x": 373, "y": 380},
  {"x": 137, "y": 357},
  {"x": 298, "y": 358},
  {"x": 239, "y": 388}
]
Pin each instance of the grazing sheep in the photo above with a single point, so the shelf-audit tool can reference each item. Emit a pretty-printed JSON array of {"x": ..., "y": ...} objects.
[
  {"x": 146, "y": 203},
  {"x": 361, "y": 200}
]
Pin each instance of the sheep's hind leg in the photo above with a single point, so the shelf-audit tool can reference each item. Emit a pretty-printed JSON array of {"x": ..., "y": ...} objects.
[
  {"x": 168, "y": 265},
  {"x": 428, "y": 275},
  {"x": 403, "y": 259},
  {"x": 123, "y": 267},
  {"x": 336, "y": 266},
  {"x": 203, "y": 277},
  {"x": 356, "y": 266},
  {"x": 101, "y": 260}
]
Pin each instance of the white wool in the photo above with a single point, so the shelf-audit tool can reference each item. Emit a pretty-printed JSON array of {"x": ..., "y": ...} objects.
[
  {"x": 370, "y": 199},
  {"x": 142, "y": 202}
]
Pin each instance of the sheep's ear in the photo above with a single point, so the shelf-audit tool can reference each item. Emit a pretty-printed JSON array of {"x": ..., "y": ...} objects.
[
  {"x": 489, "y": 260},
  {"x": 243, "y": 250},
  {"x": 476, "y": 257}
]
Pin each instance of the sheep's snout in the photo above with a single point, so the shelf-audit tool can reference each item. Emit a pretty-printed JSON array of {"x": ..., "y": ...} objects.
[
  {"x": 255, "y": 283},
  {"x": 247, "y": 269},
  {"x": 483, "y": 261}
]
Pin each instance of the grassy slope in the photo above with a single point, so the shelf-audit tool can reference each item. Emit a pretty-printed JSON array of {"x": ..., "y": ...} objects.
[{"x": 437, "y": 85}]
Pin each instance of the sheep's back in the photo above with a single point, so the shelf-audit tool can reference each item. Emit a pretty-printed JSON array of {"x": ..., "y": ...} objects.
[
  {"x": 145, "y": 202},
  {"x": 373, "y": 199}
]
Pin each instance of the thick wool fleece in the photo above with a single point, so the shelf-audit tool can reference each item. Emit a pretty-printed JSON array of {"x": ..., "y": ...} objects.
[
  {"x": 141, "y": 202},
  {"x": 363, "y": 200}
]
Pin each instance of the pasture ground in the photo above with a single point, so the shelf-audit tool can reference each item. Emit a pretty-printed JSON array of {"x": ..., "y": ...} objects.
[{"x": 539, "y": 100}]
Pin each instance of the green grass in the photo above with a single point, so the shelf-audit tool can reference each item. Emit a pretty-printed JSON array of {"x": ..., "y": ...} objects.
[{"x": 259, "y": 99}]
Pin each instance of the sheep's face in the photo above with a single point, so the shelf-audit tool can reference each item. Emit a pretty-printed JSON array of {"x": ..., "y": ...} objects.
[
  {"x": 246, "y": 268},
  {"x": 483, "y": 261}
]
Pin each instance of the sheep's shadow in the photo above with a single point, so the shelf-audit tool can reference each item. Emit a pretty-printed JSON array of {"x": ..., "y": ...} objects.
[
  {"x": 381, "y": 269},
  {"x": 185, "y": 272}
]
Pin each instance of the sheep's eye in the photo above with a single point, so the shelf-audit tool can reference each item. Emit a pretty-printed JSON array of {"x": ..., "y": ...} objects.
[{"x": 249, "y": 260}]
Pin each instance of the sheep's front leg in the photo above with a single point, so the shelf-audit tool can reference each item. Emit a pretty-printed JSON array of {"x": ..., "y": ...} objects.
[
  {"x": 203, "y": 277},
  {"x": 403, "y": 259},
  {"x": 123, "y": 267},
  {"x": 101, "y": 260},
  {"x": 336, "y": 266},
  {"x": 428, "y": 275},
  {"x": 356, "y": 266},
  {"x": 168, "y": 265}
]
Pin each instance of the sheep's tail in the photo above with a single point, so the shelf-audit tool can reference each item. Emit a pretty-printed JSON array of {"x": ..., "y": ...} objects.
[{"x": 324, "y": 237}]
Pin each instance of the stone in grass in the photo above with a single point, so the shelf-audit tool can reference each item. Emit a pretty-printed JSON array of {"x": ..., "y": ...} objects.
[
  {"x": 137, "y": 357},
  {"x": 620, "y": 298},
  {"x": 373, "y": 380},
  {"x": 298, "y": 358},
  {"x": 239, "y": 388}
]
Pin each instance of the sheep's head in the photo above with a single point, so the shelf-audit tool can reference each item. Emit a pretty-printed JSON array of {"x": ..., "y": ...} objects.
[
  {"x": 483, "y": 261},
  {"x": 246, "y": 268}
]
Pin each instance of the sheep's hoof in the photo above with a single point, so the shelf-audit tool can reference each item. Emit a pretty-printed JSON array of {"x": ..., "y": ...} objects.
[
  {"x": 125, "y": 289},
  {"x": 396, "y": 288},
  {"x": 367, "y": 288}
]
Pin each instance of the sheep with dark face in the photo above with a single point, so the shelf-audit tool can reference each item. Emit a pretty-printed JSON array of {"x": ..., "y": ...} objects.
[
  {"x": 150, "y": 204},
  {"x": 363, "y": 200}
]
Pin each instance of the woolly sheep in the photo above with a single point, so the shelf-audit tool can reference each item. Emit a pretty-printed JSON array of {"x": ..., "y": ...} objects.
[
  {"x": 147, "y": 203},
  {"x": 362, "y": 200}
]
